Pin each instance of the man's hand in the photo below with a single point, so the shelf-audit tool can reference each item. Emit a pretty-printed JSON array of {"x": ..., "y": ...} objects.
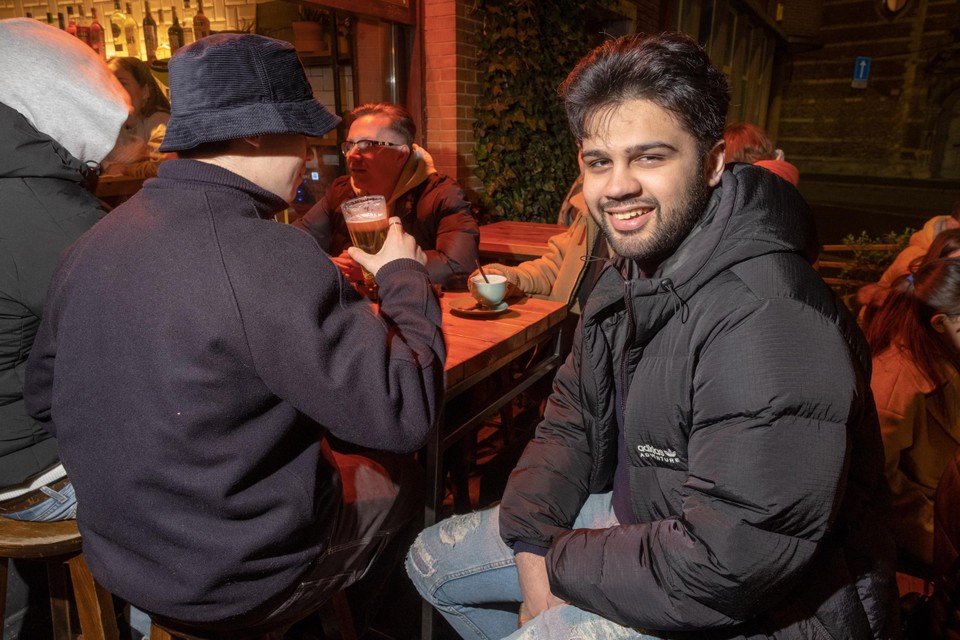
[
  {"x": 535, "y": 586},
  {"x": 397, "y": 245},
  {"x": 513, "y": 290},
  {"x": 348, "y": 267}
]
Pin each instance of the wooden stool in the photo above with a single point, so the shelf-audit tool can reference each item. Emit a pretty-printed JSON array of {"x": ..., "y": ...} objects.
[
  {"x": 334, "y": 615},
  {"x": 57, "y": 545}
]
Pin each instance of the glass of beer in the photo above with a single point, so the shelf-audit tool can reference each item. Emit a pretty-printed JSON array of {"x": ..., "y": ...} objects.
[{"x": 367, "y": 221}]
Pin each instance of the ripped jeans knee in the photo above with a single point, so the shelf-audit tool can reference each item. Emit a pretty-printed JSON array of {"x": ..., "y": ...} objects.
[
  {"x": 462, "y": 567},
  {"x": 456, "y": 549}
]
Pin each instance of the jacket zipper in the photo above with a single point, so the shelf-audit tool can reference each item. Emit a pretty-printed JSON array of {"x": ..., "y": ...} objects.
[{"x": 628, "y": 344}]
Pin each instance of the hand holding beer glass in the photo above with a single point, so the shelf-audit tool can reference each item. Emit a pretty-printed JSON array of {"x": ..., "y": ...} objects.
[
  {"x": 367, "y": 221},
  {"x": 376, "y": 238}
]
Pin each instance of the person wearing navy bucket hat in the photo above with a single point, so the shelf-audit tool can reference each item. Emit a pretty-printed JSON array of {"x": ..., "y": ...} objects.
[
  {"x": 201, "y": 354},
  {"x": 229, "y": 86}
]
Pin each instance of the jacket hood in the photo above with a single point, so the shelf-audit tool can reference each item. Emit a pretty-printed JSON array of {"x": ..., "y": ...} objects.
[
  {"x": 751, "y": 213},
  {"x": 61, "y": 87},
  {"x": 27, "y": 153},
  {"x": 782, "y": 168}
]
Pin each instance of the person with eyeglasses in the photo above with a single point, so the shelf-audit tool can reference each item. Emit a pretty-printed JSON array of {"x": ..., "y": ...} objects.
[{"x": 383, "y": 160}]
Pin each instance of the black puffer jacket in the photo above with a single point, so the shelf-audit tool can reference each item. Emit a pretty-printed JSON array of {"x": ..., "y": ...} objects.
[
  {"x": 755, "y": 461},
  {"x": 45, "y": 207}
]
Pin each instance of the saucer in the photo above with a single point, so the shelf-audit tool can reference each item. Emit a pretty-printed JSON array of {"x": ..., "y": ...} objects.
[{"x": 470, "y": 308}]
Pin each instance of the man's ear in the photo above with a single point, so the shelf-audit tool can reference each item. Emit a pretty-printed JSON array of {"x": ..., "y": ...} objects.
[
  {"x": 713, "y": 164},
  {"x": 580, "y": 158}
]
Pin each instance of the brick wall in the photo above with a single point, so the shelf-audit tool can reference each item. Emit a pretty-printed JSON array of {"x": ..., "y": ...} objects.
[
  {"x": 451, "y": 87},
  {"x": 886, "y": 129}
]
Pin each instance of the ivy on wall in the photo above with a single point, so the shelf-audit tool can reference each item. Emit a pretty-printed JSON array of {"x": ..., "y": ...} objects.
[{"x": 525, "y": 153}]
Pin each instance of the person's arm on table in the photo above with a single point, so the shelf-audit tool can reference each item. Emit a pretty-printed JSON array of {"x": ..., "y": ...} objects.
[
  {"x": 320, "y": 223},
  {"x": 315, "y": 340},
  {"x": 458, "y": 235},
  {"x": 539, "y": 277}
]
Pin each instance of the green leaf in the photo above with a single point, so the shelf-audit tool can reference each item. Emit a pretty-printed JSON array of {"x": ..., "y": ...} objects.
[{"x": 525, "y": 155}]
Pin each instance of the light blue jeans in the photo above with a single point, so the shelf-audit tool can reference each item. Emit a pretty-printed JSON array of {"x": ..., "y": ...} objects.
[
  {"x": 463, "y": 568},
  {"x": 59, "y": 505}
]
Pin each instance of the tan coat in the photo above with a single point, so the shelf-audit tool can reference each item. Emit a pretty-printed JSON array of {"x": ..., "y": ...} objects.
[
  {"x": 557, "y": 274},
  {"x": 919, "y": 425}
]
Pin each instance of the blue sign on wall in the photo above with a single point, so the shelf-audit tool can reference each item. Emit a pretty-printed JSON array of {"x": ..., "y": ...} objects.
[{"x": 861, "y": 72}]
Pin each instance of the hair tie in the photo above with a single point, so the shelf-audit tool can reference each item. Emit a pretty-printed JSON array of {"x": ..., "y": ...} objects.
[{"x": 910, "y": 278}]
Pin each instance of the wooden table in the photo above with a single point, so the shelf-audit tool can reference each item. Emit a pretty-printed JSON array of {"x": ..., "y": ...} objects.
[
  {"x": 478, "y": 349},
  {"x": 514, "y": 242}
]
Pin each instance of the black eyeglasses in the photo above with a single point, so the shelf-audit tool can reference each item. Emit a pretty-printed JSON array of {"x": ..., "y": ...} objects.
[{"x": 363, "y": 145}]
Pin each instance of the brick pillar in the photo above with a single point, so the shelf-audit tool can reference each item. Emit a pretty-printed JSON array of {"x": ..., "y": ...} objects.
[{"x": 451, "y": 87}]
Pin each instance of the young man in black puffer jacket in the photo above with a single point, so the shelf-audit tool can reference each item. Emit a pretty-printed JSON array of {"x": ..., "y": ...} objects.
[{"x": 709, "y": 464}]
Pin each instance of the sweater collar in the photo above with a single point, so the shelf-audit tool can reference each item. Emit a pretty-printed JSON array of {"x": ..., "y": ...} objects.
[
  {"x": 204, "y": 174},
  {"x": 750, "y": 213}
]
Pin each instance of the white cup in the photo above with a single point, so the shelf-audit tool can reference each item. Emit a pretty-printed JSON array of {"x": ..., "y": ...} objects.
[{"x": 489, "y": 294}]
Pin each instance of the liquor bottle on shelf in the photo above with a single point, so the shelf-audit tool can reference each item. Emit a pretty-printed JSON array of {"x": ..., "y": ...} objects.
[
  {"x": 149, "y": 32},
  {"x": 175, "y": 33},
  {"x": 49, "y": 18},
  {"x": 116, "y": 30},
  {"x": 187, "y": 23},
  {"x": 201, "y": 24},
  {"x": 97, "y": 37},
  {"x": 163, "y": 42},
  {"x": 61, "y": 23},
  {"x": 83, "y": 25},
  {"x": 131, "y": 33},
  {"x": 71, "y": 22}
]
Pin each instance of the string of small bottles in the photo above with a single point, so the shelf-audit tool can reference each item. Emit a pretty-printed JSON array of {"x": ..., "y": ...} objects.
[{"x": 159, "y": 41}]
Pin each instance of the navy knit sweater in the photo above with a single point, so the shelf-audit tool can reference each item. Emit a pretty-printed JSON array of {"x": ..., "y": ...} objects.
[{"x": 192, "y": 358}]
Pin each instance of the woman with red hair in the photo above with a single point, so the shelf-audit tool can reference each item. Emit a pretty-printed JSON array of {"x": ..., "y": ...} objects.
[{"x": 749, "y": 143}]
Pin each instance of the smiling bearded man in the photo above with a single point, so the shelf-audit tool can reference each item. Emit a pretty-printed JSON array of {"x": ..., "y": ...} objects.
[
  {"x": 709, "y": 463},
  {"x": 655, "y": 198}
]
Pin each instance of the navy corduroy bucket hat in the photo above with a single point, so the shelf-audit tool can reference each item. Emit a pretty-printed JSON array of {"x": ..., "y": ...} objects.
[{"x": 229, "y": 86}]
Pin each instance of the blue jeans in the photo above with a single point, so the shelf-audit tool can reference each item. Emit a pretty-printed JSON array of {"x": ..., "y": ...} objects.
[
  {"x": 463, "y": 568},
  {"x": 60, "y": 505}
]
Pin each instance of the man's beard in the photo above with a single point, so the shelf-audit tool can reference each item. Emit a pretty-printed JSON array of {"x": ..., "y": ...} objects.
[{"x": 661, "y": 236}]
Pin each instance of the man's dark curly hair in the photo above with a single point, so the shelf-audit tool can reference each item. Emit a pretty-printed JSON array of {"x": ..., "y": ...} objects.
[{"x": 668, "y": 69}]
